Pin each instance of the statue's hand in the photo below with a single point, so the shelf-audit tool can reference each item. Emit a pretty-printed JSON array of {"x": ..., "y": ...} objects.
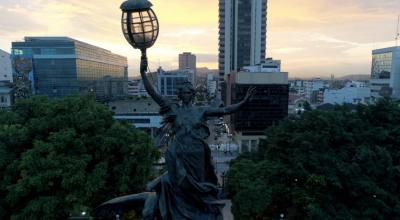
[
  {"x": 143, "y": 65},
  {"x": 250, "y": 93}
]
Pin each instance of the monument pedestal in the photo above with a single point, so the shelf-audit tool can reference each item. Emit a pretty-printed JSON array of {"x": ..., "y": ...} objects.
[{"x": 226, "y": 212}]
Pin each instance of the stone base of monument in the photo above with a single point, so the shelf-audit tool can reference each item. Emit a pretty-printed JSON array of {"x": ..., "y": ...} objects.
[
  {"x": 227, "y": 210},
  {"x": 131, "y": 207}
]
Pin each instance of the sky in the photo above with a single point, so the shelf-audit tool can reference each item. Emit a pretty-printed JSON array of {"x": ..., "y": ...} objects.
[{"x": 313, "y": 38}]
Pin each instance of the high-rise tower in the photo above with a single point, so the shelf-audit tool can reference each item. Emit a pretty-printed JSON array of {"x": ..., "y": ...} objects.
[{"x": 242, "y": 34}]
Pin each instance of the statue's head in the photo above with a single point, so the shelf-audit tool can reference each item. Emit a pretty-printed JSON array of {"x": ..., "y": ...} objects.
[{"x": 186, "y": 92}]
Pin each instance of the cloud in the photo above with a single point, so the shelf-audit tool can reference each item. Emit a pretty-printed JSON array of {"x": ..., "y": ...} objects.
[
  {"x": 287, "y": 50},
  {"x": 309, "y": 36}
]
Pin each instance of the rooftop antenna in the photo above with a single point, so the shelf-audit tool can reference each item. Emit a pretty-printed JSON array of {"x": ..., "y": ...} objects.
[{"x": 398, "y": 31}]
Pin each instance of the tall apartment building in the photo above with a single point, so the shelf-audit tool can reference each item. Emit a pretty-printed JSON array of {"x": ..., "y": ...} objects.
[
  {"x": 64, "y": 66},
  {"x": 385, "y": 72},
  {"x": 187, "y": 60},
  {"x": 5, "y": 67},
  {"x": 211, "y": 85},
  {"x": 242, "y": 34}
]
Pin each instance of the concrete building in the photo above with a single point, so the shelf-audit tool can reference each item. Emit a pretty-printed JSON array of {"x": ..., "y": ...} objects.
[
  {"x": 6, "y": 95},
  {"x": 5, "y": 67},
  {"x": 242, "y": 34},
  {"x": 353, "y": 93},
  {"x": 385, "y": 72},
  {"x": 317, "y": 96},
  {"x": 268, "y": 106},
  {"x": 64, "y": 66},
  {"x": 133, "y": 88},
  {"x": 142, "y": 113},
  {"x": 187, "y": 60},
  {"x": 169, "y": 81},
  {"x": 211, "y": 85},
  {"x": 312, "y": 85},
  {"x": 297, "y": 87}
]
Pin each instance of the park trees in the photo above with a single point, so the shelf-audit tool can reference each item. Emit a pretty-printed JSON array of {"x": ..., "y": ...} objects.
[
  {"x": 337, "y": 164},
  {"x": 63, "y": 156}
]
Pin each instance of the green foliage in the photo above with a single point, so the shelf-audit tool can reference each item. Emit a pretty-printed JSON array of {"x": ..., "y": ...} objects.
[
  {"x": 307, "y": 106},
  {"x": 59, "y": 157},
  {"x": 338, "y": 164}
]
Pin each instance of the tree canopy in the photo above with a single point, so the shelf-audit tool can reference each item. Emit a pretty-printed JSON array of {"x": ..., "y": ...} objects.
[
  {"x": 337, "y": 164},
  {"x": 65, "y": 156}
]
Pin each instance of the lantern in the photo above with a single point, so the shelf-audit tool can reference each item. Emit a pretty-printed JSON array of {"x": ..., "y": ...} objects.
[{"x": 139, "y": 24}]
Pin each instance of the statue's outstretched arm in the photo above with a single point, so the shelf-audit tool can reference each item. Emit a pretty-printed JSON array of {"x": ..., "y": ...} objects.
[
  {"x": 146, "y": 82},
  {"x": 215, "y": 112}
]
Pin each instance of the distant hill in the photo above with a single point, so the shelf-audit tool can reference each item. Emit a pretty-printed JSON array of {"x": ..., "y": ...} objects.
[
  {"x": 356, "y": 77},
  {"x": 204, "y": 71}
]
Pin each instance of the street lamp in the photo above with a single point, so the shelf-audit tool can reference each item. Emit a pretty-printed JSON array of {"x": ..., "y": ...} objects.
[{"x": 139, "y": 25}]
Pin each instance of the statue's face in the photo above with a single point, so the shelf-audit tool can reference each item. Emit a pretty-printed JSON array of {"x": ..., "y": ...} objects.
[{"x": 186, "y": 95}]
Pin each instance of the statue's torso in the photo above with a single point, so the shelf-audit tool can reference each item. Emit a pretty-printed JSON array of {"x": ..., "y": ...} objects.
[{"x": 190, "y": 121}]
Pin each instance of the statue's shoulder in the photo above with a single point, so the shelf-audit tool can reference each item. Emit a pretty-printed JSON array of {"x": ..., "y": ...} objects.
[
  {"x": 174, "y": 106},
  {"x": 168, "y": 108}
]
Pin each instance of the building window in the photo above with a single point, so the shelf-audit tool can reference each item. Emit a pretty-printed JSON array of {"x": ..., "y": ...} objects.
[
  {"x": 253, "y": 145},
  {"x": 3, "y": 99},
  {"x": 139, "y": 121},
  {"x": 245, "y": 146}
]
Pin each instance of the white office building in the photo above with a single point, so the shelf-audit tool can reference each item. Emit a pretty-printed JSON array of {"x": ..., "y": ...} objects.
[
  {"x": 353, "y": 93},
  {"x": 143, "y": 114},
  {"x": 312, "y": 85},
  {"x": 6, "y": 95},
  {"x": 5, "y": 67},
  {"x": 211, "y": 85}
]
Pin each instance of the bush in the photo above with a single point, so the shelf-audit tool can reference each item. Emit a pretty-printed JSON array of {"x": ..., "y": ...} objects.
[
  {"x": 59, "y": 157},
  {"x": 337, "y": 164}
]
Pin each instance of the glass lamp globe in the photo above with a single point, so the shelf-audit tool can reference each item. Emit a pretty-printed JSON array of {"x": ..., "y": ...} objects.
[{"x": 139, "y": 23}]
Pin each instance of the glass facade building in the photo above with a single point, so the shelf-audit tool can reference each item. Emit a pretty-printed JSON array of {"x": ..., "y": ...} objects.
[
  {"x": 385, "y": 72},
  {"x": 64, "y": 66},
  {"x": 169, "y": 82},
  {"x": 382, "y": 65},
  {"x": 268, "y": 106}
]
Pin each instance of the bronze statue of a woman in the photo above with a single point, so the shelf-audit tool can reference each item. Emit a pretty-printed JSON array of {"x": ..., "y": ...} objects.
[{"x": 187, "y": 191}]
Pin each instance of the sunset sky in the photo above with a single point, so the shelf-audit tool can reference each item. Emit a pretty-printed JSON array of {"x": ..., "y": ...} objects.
[{"x": 313, "y": 38}]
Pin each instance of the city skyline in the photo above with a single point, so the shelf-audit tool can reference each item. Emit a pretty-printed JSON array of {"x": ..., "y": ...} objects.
[{"x": 310, "y": 40}]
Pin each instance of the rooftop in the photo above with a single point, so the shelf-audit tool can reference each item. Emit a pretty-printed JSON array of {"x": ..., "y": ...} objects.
[
  {"x": 134, "y": 106},
  {"x": 262, "y": 78},
  {"x": 385, "y": 50}
]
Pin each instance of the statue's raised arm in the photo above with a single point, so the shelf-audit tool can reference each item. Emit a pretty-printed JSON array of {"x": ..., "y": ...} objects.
[
  {"x": 215, "y": 112},
  {"x": 149, "y": 87}
]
